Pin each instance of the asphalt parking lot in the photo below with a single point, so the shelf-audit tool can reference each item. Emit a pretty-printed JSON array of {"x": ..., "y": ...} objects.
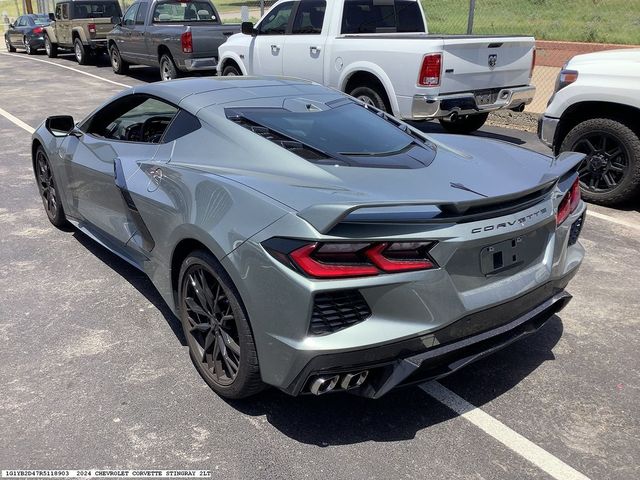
[{"x": 94, "y": 372}]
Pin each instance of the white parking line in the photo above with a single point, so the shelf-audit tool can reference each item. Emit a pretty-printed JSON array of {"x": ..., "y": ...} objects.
[
  {"x": 617, "y": 221},
  {"x": 65, "y": 66},
  {"x": 16, "y": 121},
  {"x": 499, "y": 431}
]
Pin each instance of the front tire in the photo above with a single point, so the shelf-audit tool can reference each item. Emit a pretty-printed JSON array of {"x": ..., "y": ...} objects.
[
  {"x": 215, "y": 325},
  {"x": 168, "y": 69},
  {"x": 50, "y": 48},
  {"x": 48, "y": 191},
  {"x": 119, "y": 66},
  {"x": 370, "y": 95},
  {"x": 610, "y": 174},
  {"x": 231, "y": 71},
  {"x": 464, "y": 124},
  {"x": 80, "y": 52},
  {"x": 10, "y": 48}
]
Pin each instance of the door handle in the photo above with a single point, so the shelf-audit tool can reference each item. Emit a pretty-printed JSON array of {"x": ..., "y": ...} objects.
[
  {"x": 314, "y": 50},
  {"x": 275, "y": 48}
]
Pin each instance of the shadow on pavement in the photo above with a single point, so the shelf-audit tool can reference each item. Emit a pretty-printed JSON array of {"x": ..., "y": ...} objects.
[{"x": 434, "y": 127}]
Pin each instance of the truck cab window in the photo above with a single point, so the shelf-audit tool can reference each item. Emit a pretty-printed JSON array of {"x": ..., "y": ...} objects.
[
  {"x": 277, "y": 20},
  {"x": 130, "y": 17},
  {"x": 372, "y": 16},
  {"x": 309, "y": 18},
  {"x": 142, "y": 13}
]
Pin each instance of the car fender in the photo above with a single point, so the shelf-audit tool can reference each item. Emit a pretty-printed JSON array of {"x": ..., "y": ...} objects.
[
  {"x": 236, "y": 58},
  {"x": 378, "y": 72},
  {"x": 51, "y": 33}
]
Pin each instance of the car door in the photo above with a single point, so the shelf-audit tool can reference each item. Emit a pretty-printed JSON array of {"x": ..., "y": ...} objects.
[
  {"x": 137, "y": 42},
  {"x": 304, "y": 53},
  {"x": 14, "y": 34},
  {"x": 100, "y": 158},
  {"x": 267, "y": 47},
  {"x": 124, "y": 40},
  {"x": 63, "y": 26}
]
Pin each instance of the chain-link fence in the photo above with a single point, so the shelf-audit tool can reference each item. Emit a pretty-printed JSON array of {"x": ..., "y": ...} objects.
[{"x": 562, "y": 28}]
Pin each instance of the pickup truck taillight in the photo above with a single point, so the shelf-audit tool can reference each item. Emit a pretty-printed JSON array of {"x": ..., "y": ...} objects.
[
  {"x": 431, "y": 70},
  {"x": 38, "y": 31},
  {"x": 187, "y": 42},
  {"x": 92, "y": 28}
]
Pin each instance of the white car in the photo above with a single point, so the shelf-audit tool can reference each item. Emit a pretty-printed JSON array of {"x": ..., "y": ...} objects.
[
  {"x": 596, "y": 110},
  {"x": 381, "y": 53}
]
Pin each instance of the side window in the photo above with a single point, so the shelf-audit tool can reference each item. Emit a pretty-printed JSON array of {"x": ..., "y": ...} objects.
[
  {"x": 65, "y": 11},
  {"x": 309, "y": 17},
  {"x": 24, "y": 22},
  {"x": 58, "y": 12},
  {"x": 276, "y": 21},
  {"x": 142, "y": 13},
  {"x": 130, "y": 17},
  {"x": 19, "y": 22},
  {"x": 134, "y": 118}
]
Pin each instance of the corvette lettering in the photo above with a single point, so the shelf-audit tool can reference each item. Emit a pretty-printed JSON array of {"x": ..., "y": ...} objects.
[{"x": 519, "y": 221}]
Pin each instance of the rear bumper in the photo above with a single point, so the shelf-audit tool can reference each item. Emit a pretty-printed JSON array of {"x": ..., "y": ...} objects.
[
  {"x": 438, "y": 354},
  {"x": 438, "y": 106},
  {"x": 200, "y": 64},
  {"x": 547, "y": 127},
  {"x": 97, "y": 43}
]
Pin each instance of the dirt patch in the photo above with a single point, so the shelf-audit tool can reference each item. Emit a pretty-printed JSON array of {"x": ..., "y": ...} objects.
[{"x": 524, "y": 121}]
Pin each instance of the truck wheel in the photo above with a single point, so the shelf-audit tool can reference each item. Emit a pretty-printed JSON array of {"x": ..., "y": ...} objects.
[
  {"x": 119, "y": 66},
  {"x": 168, "y": 69},
  {"x": 10, "y": 48},
  {"x": 610, "y": 174},
  {"x": 50, "y": 48},
  {"x": 371, "y": 96},
  {"x": 464, "y": 124},
  {"x": 80, "y": 51},
  {"x": 231, "y": 71}
]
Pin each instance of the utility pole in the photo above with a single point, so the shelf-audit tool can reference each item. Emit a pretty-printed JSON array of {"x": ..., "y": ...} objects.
[{"x": 27, "y": 4}]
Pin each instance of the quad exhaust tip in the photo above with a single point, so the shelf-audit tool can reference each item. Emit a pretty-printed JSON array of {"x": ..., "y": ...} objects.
[{"x": 321, "y": 385}]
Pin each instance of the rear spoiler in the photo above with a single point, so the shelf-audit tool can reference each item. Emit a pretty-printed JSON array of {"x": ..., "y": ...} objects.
[{"x": 326, "y": 216}]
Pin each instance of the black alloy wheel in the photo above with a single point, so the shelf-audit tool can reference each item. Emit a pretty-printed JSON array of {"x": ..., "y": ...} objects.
[
  {"x": 48, "y": 191},
  {"x": 610, "y": 172},
  {"x": 215, "y": 326}
]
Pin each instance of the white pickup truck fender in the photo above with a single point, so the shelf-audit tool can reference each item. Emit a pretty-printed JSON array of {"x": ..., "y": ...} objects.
[{"x": 374, "y": 70}]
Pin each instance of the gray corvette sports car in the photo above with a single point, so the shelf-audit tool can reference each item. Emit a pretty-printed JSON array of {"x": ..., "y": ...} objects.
[{"x": 310, "y": 242}]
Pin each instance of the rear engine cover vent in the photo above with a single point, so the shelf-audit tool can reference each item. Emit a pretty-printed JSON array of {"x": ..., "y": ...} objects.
[{"x": 333, "y": 311}]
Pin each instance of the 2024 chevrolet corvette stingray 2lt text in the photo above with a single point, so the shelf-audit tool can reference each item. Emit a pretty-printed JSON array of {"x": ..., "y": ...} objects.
[{"x": 310, "y": 242}]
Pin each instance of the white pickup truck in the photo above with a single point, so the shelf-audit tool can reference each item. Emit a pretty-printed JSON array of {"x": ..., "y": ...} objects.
[
  {"x": 380, "y": 52},
  {"x": 595, "y": 110}
]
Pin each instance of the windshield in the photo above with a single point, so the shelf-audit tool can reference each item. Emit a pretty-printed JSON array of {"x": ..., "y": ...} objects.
[
  {"x": 348, "y": 132},
  {"x": 175, "y": 11},
  {"x": 96, "y": 10},
  {"x": 375, "y": 16},
  {"x": 41, "y": 19}
]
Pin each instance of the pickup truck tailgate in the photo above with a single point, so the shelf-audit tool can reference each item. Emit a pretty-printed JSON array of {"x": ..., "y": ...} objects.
[
  {"x": 103, "y": 26},
  {"x": 485, "y": 62},
  {"x": 207, "y": 38}
]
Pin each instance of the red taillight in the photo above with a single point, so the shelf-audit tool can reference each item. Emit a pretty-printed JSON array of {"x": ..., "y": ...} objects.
[
  {"x": 341, "y": 260},
  {"x": 431, "y": 70},
  {"x": 186, "y": 39},
  {"x": 38, "y": 30},
  {"x": 91, "y": 27},
  {"x": 533, "y": 63},
  {"x": 569, "y": 203}
]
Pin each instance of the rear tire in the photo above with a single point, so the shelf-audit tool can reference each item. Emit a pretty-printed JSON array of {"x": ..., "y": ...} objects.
[
  {"x": 231, "y": 71},
  {"x": 48, "y": 191},
  {"x": 215, "y": 325},
  {"x": 119, "y": 66},
  {"x": 50, "y": 48},
  {"x": 465, "y": 124},
  {"x": 610, "y": 174},
  {"x": 10, "y": 48},
  {"x": 168, "y": 69},
  {"x": 371, "y": 95},
  {"x": 28, "y": 48},
  {"x": 80, "y": 52}
]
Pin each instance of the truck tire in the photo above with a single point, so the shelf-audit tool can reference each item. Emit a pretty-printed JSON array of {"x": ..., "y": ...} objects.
[
  {"x": 168, "y": 69},
  {"x": 49, "y": 47},
  {"x": 231, "y": 71},
  {"x": 10, "y": 48},
  {"x": 80, "y": 52},
  {"x": 610, "y": 174},
  {"x": 371, "y": 95},
  {"x": 120, "y": 67},
  {"x": 464, "y": 124}
]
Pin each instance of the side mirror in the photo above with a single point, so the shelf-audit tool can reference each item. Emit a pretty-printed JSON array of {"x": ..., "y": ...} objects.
[
  {"x": 52, "y": 17},
  {"x": 60, "y": 125},
  {"x": 116, "y": 20},
  {"x": 247, "y": 29},
  {"x": 12, "y": 25}
]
